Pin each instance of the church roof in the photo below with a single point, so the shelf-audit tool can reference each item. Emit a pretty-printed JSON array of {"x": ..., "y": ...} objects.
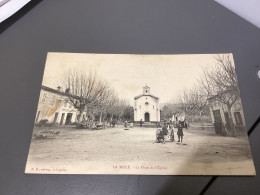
[{"x": 136, "y": 97}]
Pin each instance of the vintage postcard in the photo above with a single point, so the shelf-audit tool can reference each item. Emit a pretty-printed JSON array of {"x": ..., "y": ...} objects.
[{"x": 140, "y": 114}]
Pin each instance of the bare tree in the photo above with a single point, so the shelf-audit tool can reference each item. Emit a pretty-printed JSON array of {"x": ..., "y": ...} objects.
[
  {"x": 84, "y": 89},
  {"x": 119, "y": 109},
  {"x": 221, "y": 84},
  {"x": 169, "y": 110},
  {"x": 128, "y": 113},
  {"x": 186, "y": 104},
  {"x": 112, "y": 109},
  {"x": 108, "y": 102},
  {"x": 199, "y": 100}
]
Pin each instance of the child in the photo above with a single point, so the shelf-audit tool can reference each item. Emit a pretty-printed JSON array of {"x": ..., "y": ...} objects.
[
  {"x": 172, "y": 132},
  {"x": 180, "y": 132}
]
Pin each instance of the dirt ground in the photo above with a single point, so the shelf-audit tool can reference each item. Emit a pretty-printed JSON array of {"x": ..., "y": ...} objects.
[{"x": 200, "y": 149}]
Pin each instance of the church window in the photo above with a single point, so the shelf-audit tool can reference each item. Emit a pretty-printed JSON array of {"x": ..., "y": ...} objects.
[
  {"x": 146, "y": 90},
  {"x": 153, "y": 106},
  {"x": 146, "y": 103},
  {"x": 140, "y": 106}
]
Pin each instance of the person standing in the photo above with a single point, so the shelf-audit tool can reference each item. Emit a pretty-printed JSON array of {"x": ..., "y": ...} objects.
[
  {"x": 170, "y": 123},
  {"x": 186, "y": 123},
  {"x": 180, "y": 132},
  {"x": 141, "y": 122},
  {"x": 113, "y": 123},
  {"x": 172, "y": 130},
  {"x": 126, "y": 123}
]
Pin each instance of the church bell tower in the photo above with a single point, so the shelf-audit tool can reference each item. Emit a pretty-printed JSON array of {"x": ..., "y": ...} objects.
[{"x": 146, "y": 90}]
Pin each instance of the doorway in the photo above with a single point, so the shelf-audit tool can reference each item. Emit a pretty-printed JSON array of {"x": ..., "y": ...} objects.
[
  {"x": 147, "y": 117},
  {"x": 218, "y": 121},
  {"x": 68, "y": 119}
]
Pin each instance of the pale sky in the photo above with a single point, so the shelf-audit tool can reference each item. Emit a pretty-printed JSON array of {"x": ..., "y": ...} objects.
[{"x": 166, "y": 75}]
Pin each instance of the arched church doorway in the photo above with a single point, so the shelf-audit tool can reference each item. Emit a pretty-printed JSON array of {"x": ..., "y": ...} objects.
[{"x": 147, "y": 117}]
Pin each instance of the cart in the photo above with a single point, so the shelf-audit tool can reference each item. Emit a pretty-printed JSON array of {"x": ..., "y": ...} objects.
[{"x": 163, "y": 134}]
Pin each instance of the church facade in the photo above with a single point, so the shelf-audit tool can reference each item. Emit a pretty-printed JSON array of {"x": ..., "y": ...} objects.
[{"x": 146, "y": 107}]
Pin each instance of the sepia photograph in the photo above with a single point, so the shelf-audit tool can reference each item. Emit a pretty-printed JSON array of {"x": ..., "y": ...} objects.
[{"x": 140, "y": 114}]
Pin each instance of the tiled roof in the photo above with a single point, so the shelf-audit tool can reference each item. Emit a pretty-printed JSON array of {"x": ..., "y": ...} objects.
[{"x": 57, "y": 92}]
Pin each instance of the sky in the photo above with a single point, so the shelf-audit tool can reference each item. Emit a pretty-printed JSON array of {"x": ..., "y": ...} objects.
[{"x": 166, "y": 75}]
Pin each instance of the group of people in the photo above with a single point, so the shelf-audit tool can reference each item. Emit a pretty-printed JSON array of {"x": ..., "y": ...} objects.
[
  {"x": 169, "y": 125},
  {"x": 168, "y": 130}
]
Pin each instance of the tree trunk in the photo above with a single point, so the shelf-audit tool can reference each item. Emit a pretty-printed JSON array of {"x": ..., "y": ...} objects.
[
  {"x": 232, "y": 126},
  {"x": 223, "y": 127},
  {"x": 80, "y": 115},
  {"x": 100, "y": 117},
  {"x": 200, "y": 118},
  {"x": 111, "y": 119}
]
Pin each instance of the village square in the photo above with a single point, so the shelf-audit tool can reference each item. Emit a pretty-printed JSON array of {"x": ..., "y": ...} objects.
[{"x": 84, "y": 119}]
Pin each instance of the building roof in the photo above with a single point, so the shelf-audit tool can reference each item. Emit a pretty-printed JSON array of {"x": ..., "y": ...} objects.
[
  {"x": 57, "y": 91},
  {"x": 136, "y": 97}
]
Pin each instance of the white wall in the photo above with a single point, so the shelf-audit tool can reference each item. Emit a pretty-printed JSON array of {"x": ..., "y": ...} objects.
[
  {"x": 54, "y": 103},
  {"x": 152, "y": 108},
  {"x": 237, "y": 107}
]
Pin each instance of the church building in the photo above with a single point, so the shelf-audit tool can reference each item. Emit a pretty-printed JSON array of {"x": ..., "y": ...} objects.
[{"x": 146, "y": 107}]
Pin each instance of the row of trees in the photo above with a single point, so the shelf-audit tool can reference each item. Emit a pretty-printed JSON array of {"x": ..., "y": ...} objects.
[
  {"x": 94, "y": 96},
  {"x": 194, "y": 102},
  {"x": 217, "y": 84},
  {"x": 191, "y": 103}
]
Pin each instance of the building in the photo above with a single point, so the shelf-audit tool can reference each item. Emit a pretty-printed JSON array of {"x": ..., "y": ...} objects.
[
  {"x": 146, "y": 107},
  {"x": 171, "y": 112},
  {"x": 221, "y": 120},
  {"x": 55, "y": 106}
]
